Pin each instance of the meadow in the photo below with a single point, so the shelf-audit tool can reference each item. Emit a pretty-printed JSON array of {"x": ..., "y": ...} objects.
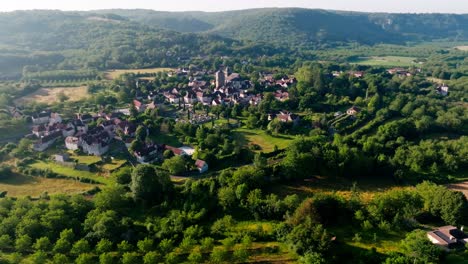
[
  {"x": 113, "y": 74},
  {"x": 260, "y": 138},
  {"x": 389, "y": 61},
  {"x": 21, "y": 185},
  {"x": 50, "y": 95}
]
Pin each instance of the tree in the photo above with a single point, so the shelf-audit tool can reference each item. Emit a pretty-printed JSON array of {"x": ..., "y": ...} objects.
[
  {"x": 145, "y": 245},
  {"x": 106, "y": 258},
  {"x": 43, "y": 244},
  {"x": 148, "y": 185},
  {"x": 152, "y": 257},
  {"x": 104, "y": 246},
  {"x": 219, "y": 255},
  {"x": 195, "y": 256},
  {"x": 111, "y": 197},
  {"x": 419, "y": 248},
  {"x": 60, "y": 259},
  {"x": 80, "y": 247},
  {"x": 175, "y": 165},
  {"x": 85, "y": 258},
  {"x": 130, "y": 258},
  {"x": 62, "y": 97},
  {"x": 5, "y": 242},
  {"x": 23, "y": 243}
]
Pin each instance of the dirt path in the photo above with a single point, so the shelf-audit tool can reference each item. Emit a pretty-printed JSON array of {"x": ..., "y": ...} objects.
[{"x": 461, "y": 187}]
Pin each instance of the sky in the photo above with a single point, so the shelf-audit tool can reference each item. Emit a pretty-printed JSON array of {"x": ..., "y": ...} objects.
[{"x": 400, "y": 6}]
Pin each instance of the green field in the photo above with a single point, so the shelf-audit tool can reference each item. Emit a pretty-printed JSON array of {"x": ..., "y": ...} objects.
[
  {"x": 20, "y": 185},
  {"x": 69, "y": 172},
  {"x": 259, "y": 137},
  {"x": 395, "y": 61}
]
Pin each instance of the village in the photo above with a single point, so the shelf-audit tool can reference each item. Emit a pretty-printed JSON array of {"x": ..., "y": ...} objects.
[{"x": 93, "y": 133}]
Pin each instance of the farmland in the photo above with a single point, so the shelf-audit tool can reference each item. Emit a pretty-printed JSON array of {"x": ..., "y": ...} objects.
[
  {"x": 50, "y": 95},
  {"x": 388, "y": 61},
  {"x": 113, "y": 74},
  {"x": 20, "y": 185}
]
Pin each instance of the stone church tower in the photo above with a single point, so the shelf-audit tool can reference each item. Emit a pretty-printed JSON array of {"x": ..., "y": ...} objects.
[{"x": 220, "y": 79}]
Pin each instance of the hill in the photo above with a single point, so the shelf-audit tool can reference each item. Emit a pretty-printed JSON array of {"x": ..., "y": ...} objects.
[{"x": 301, "y": 26}]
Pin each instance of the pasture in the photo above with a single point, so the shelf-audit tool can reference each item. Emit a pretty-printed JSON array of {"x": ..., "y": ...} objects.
[
  {"x": 259, "y": 137},
  {"x": 69, "y": 172},
  {"x": 386, "y": 61},
  {"x": 50, "y": 95},
  {"x": 20, "y": 185},
  {"x": 113, "y": 74}
]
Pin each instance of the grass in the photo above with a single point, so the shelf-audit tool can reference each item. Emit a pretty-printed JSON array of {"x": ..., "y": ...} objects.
[
  {"x": 168, "y": 139},
  {"x": 396, "y": 61},
  {"x": 13, "y": 132},
  {"x": 49, "y": 95},
  {"x": 259, "y": 137},
  {"x": 20, "y": 185},
  {"x": 114, "y": 165},
  {"x": 69, "y": 172},
  {"x": 337, "y": 185},
  {"x": 88, "y": 160},
  {"x": 113, "y": 74}
]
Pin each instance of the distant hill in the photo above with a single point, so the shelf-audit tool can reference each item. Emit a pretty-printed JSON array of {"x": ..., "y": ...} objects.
[{"x": 301, "y": 26}]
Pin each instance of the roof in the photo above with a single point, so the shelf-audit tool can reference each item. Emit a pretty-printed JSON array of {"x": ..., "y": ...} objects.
[
  {"x": 447, "y": 235},
  {"x": 200, "y": 163},
  {"x": 174, "y": 150}
]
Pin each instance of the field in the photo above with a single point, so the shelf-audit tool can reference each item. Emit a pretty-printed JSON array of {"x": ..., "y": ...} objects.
[
  {"x": 259, "y": 137},
  {"x": 395, "y": 61},
  {"x": 367, "y": 187},
  {"x": 19, "y": 185},
  {"x": 50, "y": 95},
  {"x": 463, "y": 48},
  {"x": 113, "y": 74},
  {"x": 69, "y": 172}
]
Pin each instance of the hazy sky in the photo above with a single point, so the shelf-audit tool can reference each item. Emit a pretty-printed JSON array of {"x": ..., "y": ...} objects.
[{"x": 407, "y": 6}]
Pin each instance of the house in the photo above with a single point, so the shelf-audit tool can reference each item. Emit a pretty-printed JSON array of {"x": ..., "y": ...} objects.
[
  {"x": 55, "y": 118},
  {"x": 281, "y": 96},
  {"x": 46, "y": 141},
  {"x": 285, "y": 116},
  {"x": 139, "y": 106},
  {"x": 353, "y": 111},
  {"x": 190, "y": 98},
  {"x": 202, "y": 166},
  {"x": 62, "y": 157},
  {"x": 147, "y": 153},
  {"x": 448, "y": 237},
  {"x": 96, "y": 141},
  {"x": 72, "y": 143},
  {"x": 176, "y": 151},
  {"x": 85, "y": 118},
  {"x": 443, "y": 90},
  {"x": 41, "y": 118}
]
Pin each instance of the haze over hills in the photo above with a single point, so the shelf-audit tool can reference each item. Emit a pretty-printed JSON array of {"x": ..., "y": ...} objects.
[
  {"x": 144, "y": 38},
  {"x": 299, "y": 26}
]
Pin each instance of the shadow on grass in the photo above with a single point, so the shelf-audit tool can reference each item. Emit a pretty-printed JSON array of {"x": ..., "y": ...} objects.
[{"x": 18, "y": 179}]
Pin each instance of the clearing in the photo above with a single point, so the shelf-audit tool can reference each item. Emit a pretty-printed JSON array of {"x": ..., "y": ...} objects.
[
  {"x": 20, "y": 185},
  {"x": 396, "y": 61},
  {"x": 49, "y": 95},
  {"x": 259, "y": 137},
  {"x": 113, "y": 74},
  {"x": 69, "y": 172},
  {"x": 463, "y": 48}
]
